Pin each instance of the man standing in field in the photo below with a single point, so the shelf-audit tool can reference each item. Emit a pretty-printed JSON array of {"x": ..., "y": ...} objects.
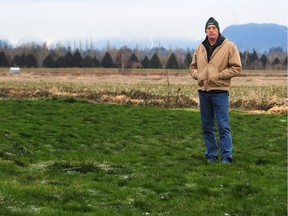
[{"x": 214, "y": 63}]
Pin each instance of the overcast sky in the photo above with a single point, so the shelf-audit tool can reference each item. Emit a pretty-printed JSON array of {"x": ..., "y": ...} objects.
[{"x": 51, "y": 20}]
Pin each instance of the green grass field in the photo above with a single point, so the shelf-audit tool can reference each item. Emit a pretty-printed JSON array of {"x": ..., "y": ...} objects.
[{"x": 70, "y": 157}]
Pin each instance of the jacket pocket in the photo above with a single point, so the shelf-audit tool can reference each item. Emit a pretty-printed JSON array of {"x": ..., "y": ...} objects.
[
  {"x": 201, "y": 77},
  {"x": 214, "y": 77}
]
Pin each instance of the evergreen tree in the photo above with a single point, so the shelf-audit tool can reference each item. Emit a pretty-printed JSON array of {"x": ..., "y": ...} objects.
[
  {"x": 133, "y": 61},
  {"x": 107, "y": 61},
  {"x": 145, "y": 62},
  {"x": 49, "y": 61},
  {"x": 16, "y": 61},
  {"x": 188, "y": 60},
  {"x": 60, "y": 62},
  {"x": 31, "y": 61},
  {"x": 133, "y": 58},
  {"x": 77, "y": 59},
  {"x": 252, "y": 60},
  {"x": 253, "y": 57},
  {"x": 96, "y": 62},
  {"x": 19, "y": 61},
  {"x": 276, "y": 64},
  {"x": 276, "y": 61},
  {"x": 172, "y": 62},
  {"x": 155, "y": 62},
  {"x": 263, "y": 61},
  {"x": 3, "y": 60},
  {"x": 23, "y": 61},
  {"x": 88, "y": 62},
  {"x": 68, "y": 60}
]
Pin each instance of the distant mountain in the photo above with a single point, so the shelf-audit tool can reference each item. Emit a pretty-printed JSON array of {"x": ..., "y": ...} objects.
[
  {"x": 4, "y": 44},
  {"x": 260, "y": 37}
]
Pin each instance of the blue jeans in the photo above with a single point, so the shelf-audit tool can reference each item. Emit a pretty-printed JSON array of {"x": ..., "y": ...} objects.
[{"x": 215, "y": 105}]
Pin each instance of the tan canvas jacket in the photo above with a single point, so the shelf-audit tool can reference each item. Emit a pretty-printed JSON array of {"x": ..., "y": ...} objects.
[{"x": 224, "y": 64}]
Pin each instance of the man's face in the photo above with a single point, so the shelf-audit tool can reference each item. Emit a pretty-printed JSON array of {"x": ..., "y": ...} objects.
[{"x": 212, "y": 32}]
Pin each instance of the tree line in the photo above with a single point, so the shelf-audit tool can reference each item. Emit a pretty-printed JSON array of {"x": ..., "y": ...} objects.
[{"x": 33, "y": 55}]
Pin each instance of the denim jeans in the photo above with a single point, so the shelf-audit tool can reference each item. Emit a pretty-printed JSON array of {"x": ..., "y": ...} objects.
[{"x": 215, "y": 105}]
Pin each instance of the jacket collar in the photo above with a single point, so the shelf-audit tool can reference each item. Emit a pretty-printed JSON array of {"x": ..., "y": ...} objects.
[{"x": 219, "y": 41}]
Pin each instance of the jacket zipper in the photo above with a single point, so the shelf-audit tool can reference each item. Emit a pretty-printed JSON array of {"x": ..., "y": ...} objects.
[{"x": 207, "y": 72}]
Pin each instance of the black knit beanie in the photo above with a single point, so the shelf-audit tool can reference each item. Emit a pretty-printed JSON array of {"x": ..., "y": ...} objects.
[{"x": 212, "y": 21}]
